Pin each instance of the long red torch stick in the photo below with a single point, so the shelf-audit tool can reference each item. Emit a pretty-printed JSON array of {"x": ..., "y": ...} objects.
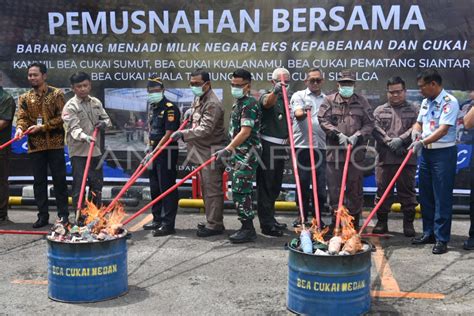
[
  {"x": 21, "y": 232},
  {"x": 167, "y": 192},
  {"x": 292, "y": 146},
  {"x": 343, "y": 187},
  {"x": 387, "y": 191},
  {"x": 313, "y": 168},
  {"x": 86, "y": 172},
  {"x": 144, "y": 164},
  {"x": 14, "y": 139}
]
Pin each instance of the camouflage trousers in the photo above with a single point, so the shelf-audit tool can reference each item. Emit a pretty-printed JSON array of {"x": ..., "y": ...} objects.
[{"x": 244, "y": 168}]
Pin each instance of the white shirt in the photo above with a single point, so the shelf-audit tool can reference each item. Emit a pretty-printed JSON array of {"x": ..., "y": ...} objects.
[{"x": 300, "y": 128}]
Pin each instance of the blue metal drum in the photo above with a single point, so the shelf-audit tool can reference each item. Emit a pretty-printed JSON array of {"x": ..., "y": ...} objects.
[
  {"x": 87, "y": 272},
  {"x": 328, "y": 285}
]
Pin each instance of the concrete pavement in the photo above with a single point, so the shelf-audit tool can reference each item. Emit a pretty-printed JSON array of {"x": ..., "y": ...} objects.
[{"x": 184, "y": 274}]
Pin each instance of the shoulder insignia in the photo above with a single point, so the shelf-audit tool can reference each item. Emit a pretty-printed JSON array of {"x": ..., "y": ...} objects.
[
  {"x": 169, "y": 104},
  {"x": 447, "y": 98},
  {"x": 447, "y": 108}
]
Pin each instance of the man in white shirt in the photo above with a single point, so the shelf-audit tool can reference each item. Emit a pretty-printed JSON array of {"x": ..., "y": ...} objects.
[{"x": 302, "y": 101}]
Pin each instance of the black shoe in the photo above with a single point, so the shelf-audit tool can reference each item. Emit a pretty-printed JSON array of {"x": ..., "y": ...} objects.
[
  {"x": 272, "y": 231},
  {"x": 297, "y": 222},
  {"x": 380, "y": 228},
  {"x": 3, "y": 218},
  {"x": 440, "y": 247},
  {"x": 423, "y": 240},
  {"x": 243, "y": 235},
  {"x": 41, "y": 222},
  {"x": 469, "y": 244},
  {"x": 163, "y": 231},
  {"x": 201, "y": 225},
  {"x": 152, "y": 225},
  {"x": 280, "y": 226},
  {"x": 206, "y": 232}
]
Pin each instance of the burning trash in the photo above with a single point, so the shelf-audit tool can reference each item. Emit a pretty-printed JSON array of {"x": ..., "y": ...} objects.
[
  {"x": 97, "y": 225},
  {"x": 346, "y": 240}
]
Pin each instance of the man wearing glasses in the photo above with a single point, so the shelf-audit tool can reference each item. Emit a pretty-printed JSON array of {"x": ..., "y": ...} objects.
[
  {"x": 204, "y": 135},
  {"x": 302, "y": 101},
  {"x": 274, "y": 136},
  {"x": 434, "y": 135},
  {"x": 346, "y": 118},
  {"x": 393, "y": 126}
]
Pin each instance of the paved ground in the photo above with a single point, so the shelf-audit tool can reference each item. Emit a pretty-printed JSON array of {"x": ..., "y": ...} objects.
[{"x": 184, "y": 274}]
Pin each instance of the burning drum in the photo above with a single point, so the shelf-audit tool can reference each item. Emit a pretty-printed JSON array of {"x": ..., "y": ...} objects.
[
  {"x": 328, "y": 285},
  {"x": 88, "y": 271}
]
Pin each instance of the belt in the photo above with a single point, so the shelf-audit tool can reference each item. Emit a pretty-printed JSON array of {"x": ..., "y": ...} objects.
[
  {"x": 275, "y": 140},
  {"x": 440, "y": 145}
]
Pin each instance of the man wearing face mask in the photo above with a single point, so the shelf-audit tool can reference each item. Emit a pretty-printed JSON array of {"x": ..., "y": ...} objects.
[
  {"x": 242, "y": 152},
  {"x": 164, "y": 118},
  {"x": 346, "y": 118},
  {"x": 204, "y": 135},
  {"x": 393, "y": 125},
  {"x": 274, "y": 136}
]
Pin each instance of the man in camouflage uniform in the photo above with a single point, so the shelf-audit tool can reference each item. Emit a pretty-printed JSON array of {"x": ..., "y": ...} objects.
[
  {"x": 393, "y": 125},
  {"x": 242, "y": 152}
]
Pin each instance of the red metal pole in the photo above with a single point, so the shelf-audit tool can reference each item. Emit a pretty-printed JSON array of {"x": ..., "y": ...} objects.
[
  {"x": 313, "y": 168},
  {"x": 14, "y": 139},
  {"x": 292, "y": 146},
  {"x": 387, "y": 191},
  {"x": 86, "y": 172},
  {"x": 144, "y": 164},
  {"x": 343, "y": 186},
  {"x": 167, "y": 192},
  {"x": 22, "y": 232}
]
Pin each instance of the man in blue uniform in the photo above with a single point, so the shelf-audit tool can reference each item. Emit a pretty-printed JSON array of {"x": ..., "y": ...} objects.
[
  {"x": 434, "y": 135},
  {"x": 164, "y": 118}
]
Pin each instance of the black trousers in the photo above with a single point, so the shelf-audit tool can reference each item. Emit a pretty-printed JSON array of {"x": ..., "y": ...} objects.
[
  {"x": 54, "y": 159},
  {"x": 269, "y": 180},
  {"x": 94, "y": 180},
  {"x": 4, "y": 172},
  {"x": 162, "y": 177},
  {"x": 304, "y": 171}
]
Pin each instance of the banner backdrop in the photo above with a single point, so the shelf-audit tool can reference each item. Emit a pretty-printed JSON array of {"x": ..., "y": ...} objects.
[{"x": 120, "y": 43}]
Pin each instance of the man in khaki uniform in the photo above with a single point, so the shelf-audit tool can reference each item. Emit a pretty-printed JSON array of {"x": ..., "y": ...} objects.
[
  {"x": 204, "y": 136},
  {"x": 81, "y": 115},
  {"x": 393, "y": 126},
  {"x": 346, "y": 118}
]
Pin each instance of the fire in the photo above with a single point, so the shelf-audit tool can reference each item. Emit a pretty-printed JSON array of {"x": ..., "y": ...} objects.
[
  {"x": 97, "y": 219},
  {"x": 317, "y": 233},
  {"x": 346, "y": 223}
]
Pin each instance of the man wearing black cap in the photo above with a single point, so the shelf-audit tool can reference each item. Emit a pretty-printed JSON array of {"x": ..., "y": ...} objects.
[
  {"x": 163, "y": 118},
  {"x": 346, "y": 118}
]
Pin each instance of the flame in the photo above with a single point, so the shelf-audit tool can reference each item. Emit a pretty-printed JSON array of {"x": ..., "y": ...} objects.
[
  {"x": 317, "y": 233},
  {"x": 99, "y": 220},
  {"x": 346, "y": 222}
]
